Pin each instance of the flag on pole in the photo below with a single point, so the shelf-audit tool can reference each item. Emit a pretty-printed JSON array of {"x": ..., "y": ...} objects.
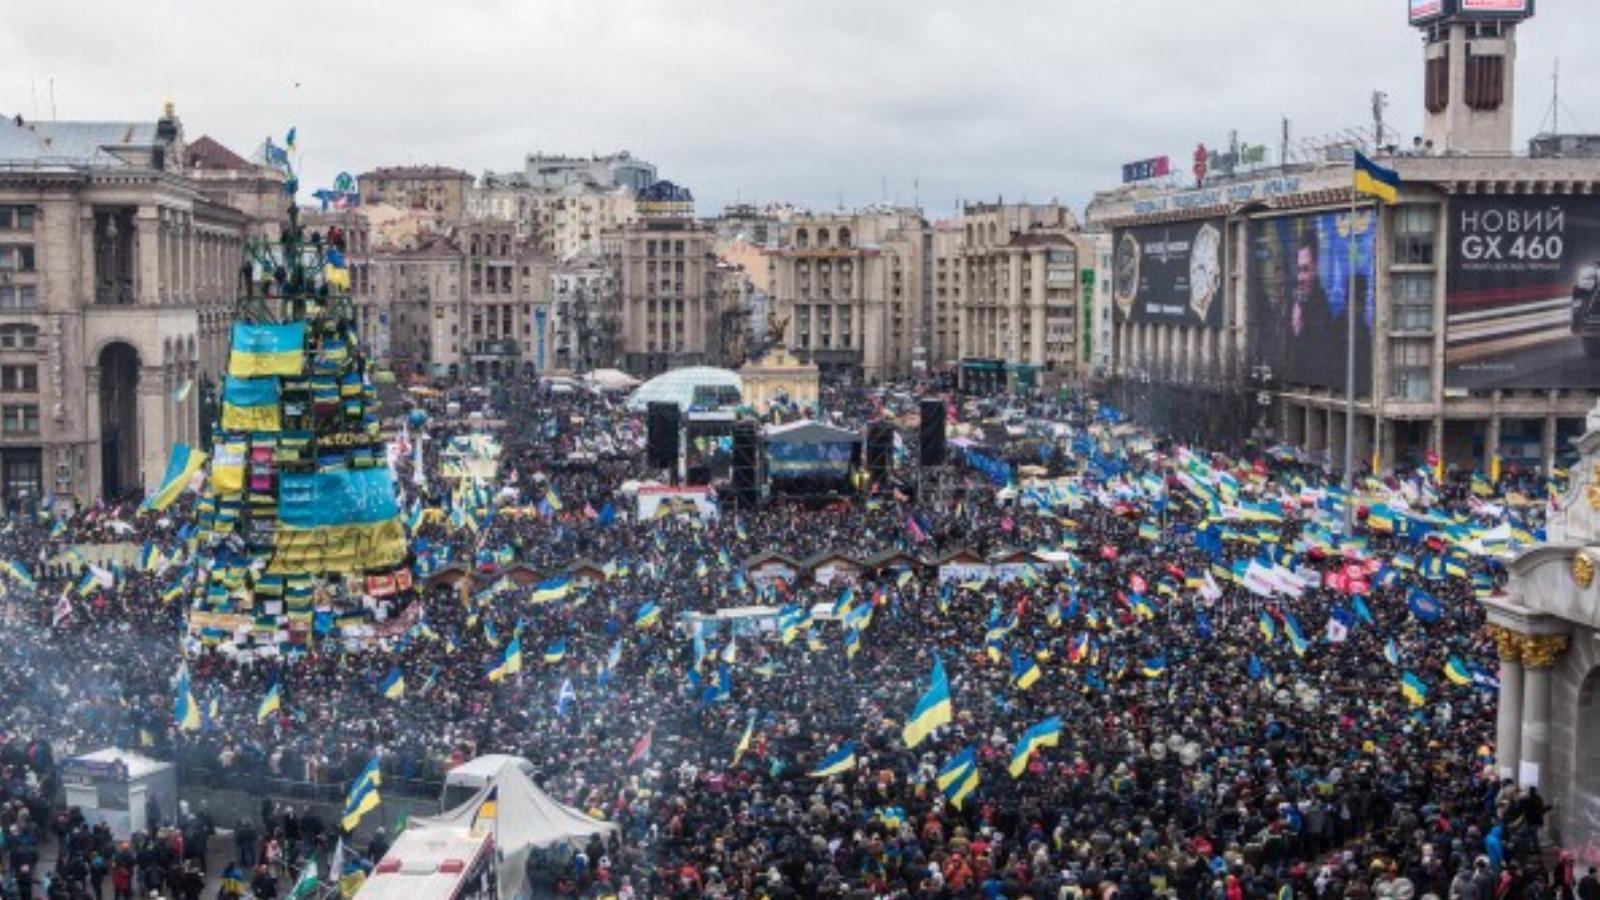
[
  {"x": 836, "y": 763},
  {"x": 933, "y": 710},
  {"x": 743, "y": 746},
  {"x": 363, "y": 797},
  {"x": 271, "y": 703},
  {"x": 186, "y": 711},
  {"x": 1373, "y": 180}
]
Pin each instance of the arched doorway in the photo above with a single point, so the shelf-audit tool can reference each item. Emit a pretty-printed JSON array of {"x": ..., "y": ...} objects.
[
  {"x": 1585, "y": 795},
  {"x": 119, "y": 421}
]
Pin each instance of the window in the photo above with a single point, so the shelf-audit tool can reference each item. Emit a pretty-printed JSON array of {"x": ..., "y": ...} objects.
[
  {"x": 19, "y": 378},
  {"x": 16, "y": 259},
  {"x": 1411, "y": 363},
  {"x": 19, "y": 419},
  {"x": 22, "y": 297},
  {"x": 1412, "y": 295},
  {"x": 19, "y": 218},
  {"x": 1413, "y": 235},
  {"x": 18, "y": 337}
]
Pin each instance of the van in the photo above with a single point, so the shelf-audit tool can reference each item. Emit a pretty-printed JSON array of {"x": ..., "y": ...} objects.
[{"x": 472, "y": 776}]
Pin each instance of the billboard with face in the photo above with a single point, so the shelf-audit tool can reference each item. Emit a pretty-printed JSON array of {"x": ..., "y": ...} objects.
[
  {"x": 1169, "y": 274},
  {"x": 1522, "y": 289},
  {"x": 1301, "y": 283}
]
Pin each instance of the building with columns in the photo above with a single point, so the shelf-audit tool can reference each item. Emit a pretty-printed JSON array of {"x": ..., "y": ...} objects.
[
  {"x": 1546, "y": 627},
  {"x": 1476, "y": 339},
  {"x": 118, "y": 274}
]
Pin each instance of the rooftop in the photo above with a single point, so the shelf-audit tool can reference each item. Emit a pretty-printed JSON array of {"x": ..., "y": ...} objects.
[
  {"x": 207, "y": 153},
  {"x": 416, "y": 172},
  {"x": 71, "y": 144}
]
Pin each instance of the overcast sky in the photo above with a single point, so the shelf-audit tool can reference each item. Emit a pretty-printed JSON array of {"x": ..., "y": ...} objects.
[{"x": 810, "y": 102}]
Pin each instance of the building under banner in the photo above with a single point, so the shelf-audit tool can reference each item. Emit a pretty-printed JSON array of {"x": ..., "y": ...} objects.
[{"x": 1476, "y": 298}]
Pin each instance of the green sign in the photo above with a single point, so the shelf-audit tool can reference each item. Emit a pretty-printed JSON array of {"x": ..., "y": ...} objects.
[{"x": 1087, "y": 277}]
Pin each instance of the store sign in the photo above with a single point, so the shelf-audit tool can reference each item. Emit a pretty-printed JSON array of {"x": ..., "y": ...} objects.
[{"x": 1146, "y": 169}]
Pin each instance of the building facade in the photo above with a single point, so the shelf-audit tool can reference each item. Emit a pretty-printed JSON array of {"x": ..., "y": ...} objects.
[
  {"x": 118, "y": 275},
  {"x": 849, "y": 288},
  {"x": 948, "y": 297},
  {"x": 667, "y": 311},
  {"x": 580, "y": 288},
  {"x": 438, "y": 190}
]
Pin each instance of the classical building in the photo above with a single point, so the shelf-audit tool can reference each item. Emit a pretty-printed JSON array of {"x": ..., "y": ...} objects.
[
  {"x": 1477, "y": 335},
  {"x": 851, "y": 287},
  {"x": 438, "y": 190},
  {"x": 118, "y": 272},
  {"x": 1546, "y": 627},
  {"x": 1021, "y": 313}
]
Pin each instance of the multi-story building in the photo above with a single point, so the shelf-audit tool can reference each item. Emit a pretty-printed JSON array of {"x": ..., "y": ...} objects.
[
  {"x": 1475, "y": 328},
  {"x": 118, "y": 274},
  {"x": 505, "y": 307},
  {"x": 667, "y": 313},
  {"x": 567, "y": 220},
  {"x": 850, "y": 287},
  {"x": 438, "y": 190},
  {"x": 949, "y": 267},
  {"x": 1020, "y": 313},
  {"x": 552, "y": 172}
]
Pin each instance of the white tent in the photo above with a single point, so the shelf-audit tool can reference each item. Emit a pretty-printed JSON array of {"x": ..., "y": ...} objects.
[
  {"x": 526, "y": 819},
  {"x": 611, "y": 380}
]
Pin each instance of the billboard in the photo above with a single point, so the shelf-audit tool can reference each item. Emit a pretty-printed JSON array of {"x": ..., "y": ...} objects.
[
  {"x": 1522, "y": 303},
  {"x": 1300, "y": 289},
  {"x": 1169, "y": 274},
  {"x": 1496, "y": 7},
  {"x": 1146, "y": 169},
  {"x": 1426, "y": 10}
]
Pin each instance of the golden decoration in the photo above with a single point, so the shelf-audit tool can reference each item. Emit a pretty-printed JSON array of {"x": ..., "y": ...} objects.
[
  {"x": 1541, "y": 651},
  {"x": 1583, "y": 569},
  {"x": 1507, "y": 643},
  {"x": 1593, "y": 490}
]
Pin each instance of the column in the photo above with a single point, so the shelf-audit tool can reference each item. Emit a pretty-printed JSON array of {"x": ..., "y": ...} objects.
[
  {"x": 147, "y": 250},
  {"x": 1539, "y": 654},
  {"x": 153, "y": 433},
  {"x": 1508, "y": 722},
  {"x": 87, "y": 485},
  {"x": 1547, "y": 446},
  {"x": 1491, "y": 440}
]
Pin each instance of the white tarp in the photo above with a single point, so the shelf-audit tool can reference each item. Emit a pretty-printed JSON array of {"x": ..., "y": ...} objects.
[{"x": 526, "y": 819}]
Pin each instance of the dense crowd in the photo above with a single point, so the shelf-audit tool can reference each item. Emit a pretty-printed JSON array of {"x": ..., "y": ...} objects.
[{"x": 1200, "y": 757}]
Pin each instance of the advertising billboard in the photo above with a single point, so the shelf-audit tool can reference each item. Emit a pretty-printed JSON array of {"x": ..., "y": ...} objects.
[
  {"x": 1146, "y": 169},
  {"x": 1426, "y": 10},
  {"x": 1169, "y": 274},
  {"x": 1496, "y": 7},
  {"x": 1300, "y": 289},
  {"x": 1522, "y": 286}
]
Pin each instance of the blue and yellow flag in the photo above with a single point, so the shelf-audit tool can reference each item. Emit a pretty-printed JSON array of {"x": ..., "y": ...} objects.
[
  {"x": 958, "y": 777},
  {"x": 250, "y": 404},
  {"x": 1154, "y": 667},
  {"x": 1412, "y": 688},
  {"x": 556, "y": 652},
  {"x": 1044, "y": 734},
  {"x": 743, "y": 746},
  {"x": 181, "y": 467},
  {"x": 1268, "y": 630},
  {"x": 934, "y": 709},
  {"x": 394, "y": 685},
  {"x": 510, "y": 662},
  {"x": 1457, "y": 671},
  {"x": 1373, "y": 180},
  {"x": 271, "y": 703},
  {"x": 649, "y": 614},
  {"x": 186, "y": 711},
  {"x": 1024, "y": 670},
  {"x": 1297, "y": 638},
  {"x": 363, "y": 796},
  {"x": 836, "y": 763},
  {"x": 550, "y": 589},
  {"x": 267, "y": 349}
]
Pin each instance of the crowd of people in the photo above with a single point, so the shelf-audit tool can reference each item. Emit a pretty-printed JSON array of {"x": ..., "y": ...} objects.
[{"x": 1205, "y": 752}]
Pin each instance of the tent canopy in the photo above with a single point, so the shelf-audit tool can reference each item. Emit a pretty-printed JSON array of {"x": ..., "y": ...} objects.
[
  {"x": 690, "y": 387},
  {"x": 526, "y": 819}
]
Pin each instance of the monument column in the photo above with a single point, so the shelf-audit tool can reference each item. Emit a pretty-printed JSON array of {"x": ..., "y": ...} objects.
[
  {"x": 1539, "y": 654},
  {"x": 1508, "y": 724}
]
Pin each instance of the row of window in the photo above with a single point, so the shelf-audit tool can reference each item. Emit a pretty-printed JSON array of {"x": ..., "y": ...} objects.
[
  {"x": 16, "y": 258},
  {"x": 19, "y": 419},
  {"x": 18, "y": 298},
  {"x": 16, "y": 218}
]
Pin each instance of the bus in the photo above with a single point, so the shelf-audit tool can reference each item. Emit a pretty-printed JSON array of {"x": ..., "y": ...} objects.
[{"x": 435, "y": 863}]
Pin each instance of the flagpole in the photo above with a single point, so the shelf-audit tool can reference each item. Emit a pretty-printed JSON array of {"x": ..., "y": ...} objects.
[{"x": 1350, "y": 364}]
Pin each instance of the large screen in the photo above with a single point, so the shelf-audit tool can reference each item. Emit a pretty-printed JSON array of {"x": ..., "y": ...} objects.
[
  {"x": 1300, "y": 288},
  {"x": 1169, "y": 274},
  {"x": 1424, "y": 10},
  {"x": 809, "y": 460},
  {"x": 1497, "y": 7},
  {"x": 1523, "y": 292}
]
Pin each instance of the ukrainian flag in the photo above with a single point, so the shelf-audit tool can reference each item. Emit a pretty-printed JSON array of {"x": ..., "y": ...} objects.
[
  {"x": 267, "y": 349},
  {"x": 18, "y": 573},
  {"x": 852, "y": 643},
  {"x": 394, "y": 685},
  {"x": 250, "y": 404},
  {"x": 648, "y": 615},
  {"x": 186, "y": 711},
  {"x": 552, "y": 499},
  {"x": 1413, "y": 689},
  {"x": 271, "y": 703},
  {"x": 743, "y": 746},
  {"x": 933, "y": 710},
  {"x": 1024, "y": 670},
  {"x": 181, "y": 467},
  {"x": 837, "y": 763},
  {"x": 363, "y": 797},
  {"x": 1457, "y": 671},
  {"x": 556, "y": 652},
  {"x": 510, "y": 662},
  {"x": 551, "y": 589},
  {"x": 149, "y": 556},
  {"x": 1373, "y": 180},
  {"x": 959, "y": 777},
  {"x": 1297, "y": 638},
  {"x": 1268, "y": 630},
  {"x": 1153, "y": 668},
  {"x": 1044, "y": 734}
]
